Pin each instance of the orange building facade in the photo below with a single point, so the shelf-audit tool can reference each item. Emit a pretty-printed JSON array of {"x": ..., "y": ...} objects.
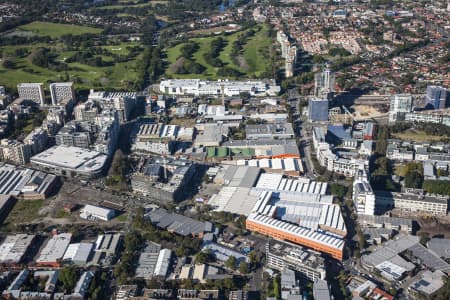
[{"x": 279, "y": 234}]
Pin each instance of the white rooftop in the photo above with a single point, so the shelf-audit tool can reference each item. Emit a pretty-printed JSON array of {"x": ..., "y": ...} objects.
[
  {"x": 429, "y": 283},
  {"x": 69, "y": 157},
  {"x": 276, "y": 182},
  {"x": 78, "y": 252},
  {"x": 14, "y": 247},
  {"x": 55, "y": 248},
  {"x": 163, "y": 262}
]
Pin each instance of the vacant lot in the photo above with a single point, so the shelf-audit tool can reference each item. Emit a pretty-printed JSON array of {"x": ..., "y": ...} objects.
[
  {"x": 25, "y": 211},
  {"x": 55, "y": 30},
  {"x": 417, "y": 136}
]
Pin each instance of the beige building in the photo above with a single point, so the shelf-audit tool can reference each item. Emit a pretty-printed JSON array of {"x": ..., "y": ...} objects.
[{"x": 15, "y": 151}]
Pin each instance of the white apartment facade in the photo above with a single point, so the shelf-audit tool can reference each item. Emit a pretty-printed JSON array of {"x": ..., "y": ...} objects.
[
  {"x": 60, "y": 91},
  {"x": 32, "y": 91}
]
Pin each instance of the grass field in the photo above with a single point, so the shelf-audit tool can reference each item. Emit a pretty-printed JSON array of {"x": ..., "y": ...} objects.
[
  {"x": 120, "y": 6},
  {"x": 255, "y": 61},
  {"x": 417, "y": 135},
  {"x": 118, "y": 76},
  {"x": 400, "y": 170},
  {"x": 55, "y": 30},
  {"x": 24, "y": 211}
]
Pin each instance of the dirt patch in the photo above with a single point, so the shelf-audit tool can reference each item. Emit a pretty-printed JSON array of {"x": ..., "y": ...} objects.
[
  {"x": 178, "y": 65},
  {"x": 362, "y": 112},
  {"x": 242, "y": 63}
]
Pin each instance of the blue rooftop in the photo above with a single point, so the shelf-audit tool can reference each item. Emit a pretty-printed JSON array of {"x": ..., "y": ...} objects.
[{"x": 339, "y": 132}]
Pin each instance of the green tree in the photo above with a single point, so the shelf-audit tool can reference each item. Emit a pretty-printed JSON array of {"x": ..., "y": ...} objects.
[
  {"x": 440, "y": 187},
  {"x": 243, "y": 267},
  {"x": 338, "y": 190},
  {"x": 68, "y": 277},
  {"x": 231, "y": 262},
  {"x": 424, "y": 237},
  {"x": 276, "y": 286},
  {"x": 204, "y": 257},
  {"x": 8, "y": 64},
  {"x": 414, "y": 175},
  {"x": 253, "y": 258}
]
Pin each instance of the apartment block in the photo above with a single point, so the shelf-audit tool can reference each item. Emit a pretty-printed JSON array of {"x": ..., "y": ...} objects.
[
  {"x": 61, "y": 91},
  {"x": 15, "y": 151},
  {"x": 32, "y": 91}
]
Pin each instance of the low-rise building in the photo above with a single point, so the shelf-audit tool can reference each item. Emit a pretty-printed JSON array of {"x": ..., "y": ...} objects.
[
  {"x": 360, "y": 287},
  {"x": 14, "y": 248},
  {"x": 238, "y": 295},
  {"x": 269, "y": 131},
  {"x": 53, "y": 252},
  {"x": 82, "y": 286},
  {"x": 228, "y": 88},
  {"x": 6, "y": 204},
  {"x": 223, "y": 253},
  {"x": 126, "y": 292},
  {"x": 153, "y": 262},
  {"x": 155, "y": 294},
  {"x": 267, "y": 148},
  {"x": 290, "y": 287},
  {"x": 284, "y": 255},
  {"x": 396, "y": 152},
  {"x": 92, "y": 212},
  {"x": 210, "y": 135},
  {"x": 178, "y": 224},
  {"x": 414, "y": 201},
  {"x": 70, "y": 161},
  {"x": 186, "y": 294},
  {"x": 390, "y": 223},
  {"x": 440, "y": 116},
  {"x": 440, "y": 246},
  {"x": 386, "y": 258},
  {"x": 106, "y": 247},
  {"x": 26, "y": 183},
  {"x": 290, "y": 166},
  {"x": 78, "y": 253},
  {"x": 321, "y": 290},
  {"x": 161, "y": 139},
  {"x": 428, "y": 284},
  {"x": 13, "y": 289}
]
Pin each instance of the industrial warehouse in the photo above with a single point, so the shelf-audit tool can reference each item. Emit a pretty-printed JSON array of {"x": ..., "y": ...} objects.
[{"x": 298, "y": 212}]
